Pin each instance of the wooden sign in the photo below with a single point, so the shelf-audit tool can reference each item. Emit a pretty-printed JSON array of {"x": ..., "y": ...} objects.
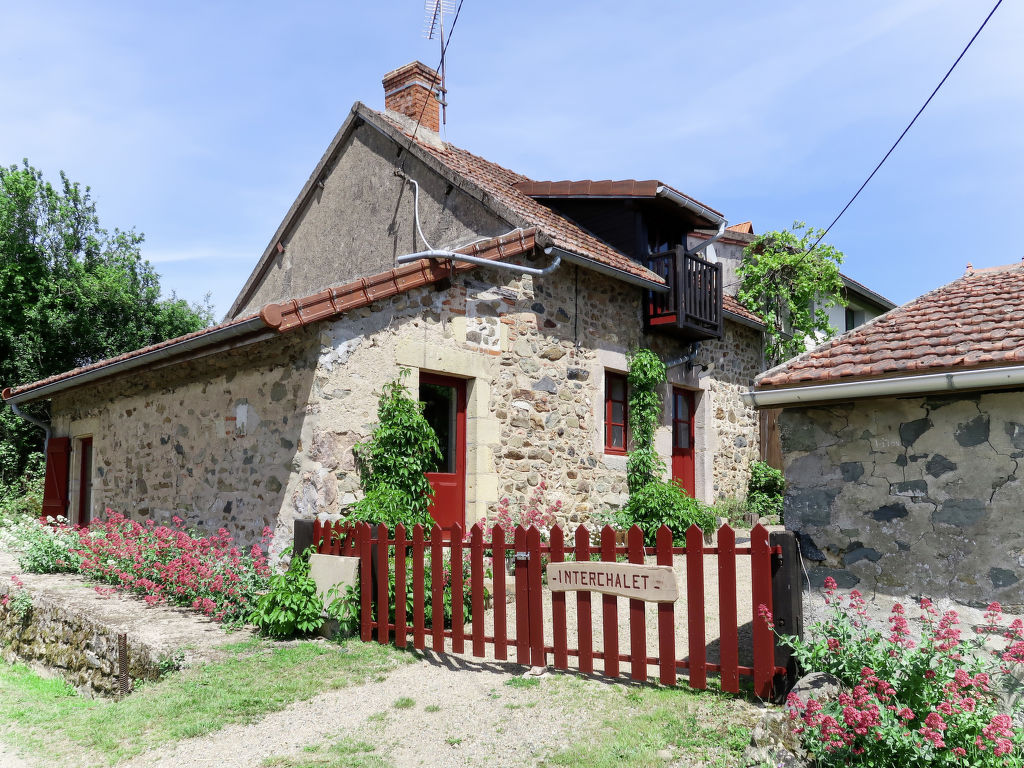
[{"x": 653, "y": 583}]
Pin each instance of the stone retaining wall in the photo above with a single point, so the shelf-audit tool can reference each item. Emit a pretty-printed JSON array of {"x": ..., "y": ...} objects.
[
  {"x": 70, "y": 643},
  {"x": 911, "y": 496}
]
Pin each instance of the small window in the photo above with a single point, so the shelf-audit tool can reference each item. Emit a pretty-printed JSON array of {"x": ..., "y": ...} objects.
[
  {"x": 851, "y": 319},
  {"x": 615, "y": 410}
]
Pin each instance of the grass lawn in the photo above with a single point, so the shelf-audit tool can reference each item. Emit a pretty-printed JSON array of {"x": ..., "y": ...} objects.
[
  {"x": 686, "y": 727},
  {"x": 47, "y": 716}
]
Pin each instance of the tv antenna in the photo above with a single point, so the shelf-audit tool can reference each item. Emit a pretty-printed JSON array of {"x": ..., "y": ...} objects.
[{"x": 434, "y": 25}]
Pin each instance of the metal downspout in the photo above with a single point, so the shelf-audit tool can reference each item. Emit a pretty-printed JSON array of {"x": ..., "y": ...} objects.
[
  {"x": 33, "y": 420},
  {"x": 440, "y": 254}
]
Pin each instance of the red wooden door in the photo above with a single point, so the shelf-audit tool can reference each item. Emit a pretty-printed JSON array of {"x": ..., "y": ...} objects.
[
  {"x": 682, "y": 439},
  {"x": 444, "y": 402},
  {"x": 85, "y": 482}
]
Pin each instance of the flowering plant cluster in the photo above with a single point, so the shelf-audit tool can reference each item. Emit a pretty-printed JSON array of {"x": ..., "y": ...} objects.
[
  {"x": 168, "y": 564},
  {"x": 41, "y": 548},
  {"x": 537, "y": 511},
  {"x": 18, "y": 601},
  {"x": 909, "y": 702}
]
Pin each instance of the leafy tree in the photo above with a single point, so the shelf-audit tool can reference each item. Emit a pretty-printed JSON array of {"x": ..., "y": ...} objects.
[
  {"x": 790, "y": 285},
  {"x": 71, "y": 293}
]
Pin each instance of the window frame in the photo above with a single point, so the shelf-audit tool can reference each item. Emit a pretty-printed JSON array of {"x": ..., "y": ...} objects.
[{"x": 609, "y": 377}]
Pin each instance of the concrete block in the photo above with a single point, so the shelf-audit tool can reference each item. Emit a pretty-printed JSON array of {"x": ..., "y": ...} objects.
[{"x": 333, "y": 571}]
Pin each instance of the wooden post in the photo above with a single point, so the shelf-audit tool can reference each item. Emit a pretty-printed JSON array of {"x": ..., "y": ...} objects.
[
  {"x": 476, "y": 586},
  {"x": 787, "y": 603},
  {"x": 637, "y": 612},
  {"x": 584, "y": 619},
  {"x": 302, "y": 536},
  {"x": 610, "y": 609},
  {"x": 761, "y": 595},
  {"x": 666, "y": 615},
  {"x": 500, "y": 591},
  {"x": 400, "y": 591},
  {"x": 695, "y": 607},
  {"x": 558, "y": 613},
  {"x": 728, "y": 618}
]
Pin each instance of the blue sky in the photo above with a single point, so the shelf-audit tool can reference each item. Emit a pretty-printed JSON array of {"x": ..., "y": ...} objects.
[{"x": 198, "y": 122}]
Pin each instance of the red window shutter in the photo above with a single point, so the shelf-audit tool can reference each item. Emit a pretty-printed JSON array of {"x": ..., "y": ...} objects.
[{"x": 55, "y": 489}]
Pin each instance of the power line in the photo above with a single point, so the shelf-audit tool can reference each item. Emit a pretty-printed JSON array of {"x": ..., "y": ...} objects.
[
  {"x": 909, "y": 126},
  {"x": 896, "y": 143}
]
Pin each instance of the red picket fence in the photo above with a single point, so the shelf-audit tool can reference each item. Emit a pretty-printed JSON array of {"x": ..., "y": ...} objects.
[{"x": 443, "y": 554}]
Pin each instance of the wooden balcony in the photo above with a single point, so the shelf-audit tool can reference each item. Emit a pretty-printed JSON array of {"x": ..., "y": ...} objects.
[{"x": 692, "y": 308}]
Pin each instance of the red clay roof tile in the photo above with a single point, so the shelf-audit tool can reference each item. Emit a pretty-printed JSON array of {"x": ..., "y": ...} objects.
[{"x": 976, "y": 321}]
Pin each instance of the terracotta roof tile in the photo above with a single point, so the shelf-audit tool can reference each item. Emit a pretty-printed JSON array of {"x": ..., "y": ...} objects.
[
  {"x": 500, "y": 183},
  {"x": 328, "y": 303},
  {"x": 976, "y": 321},
  {"x": 12, "y": 391}
]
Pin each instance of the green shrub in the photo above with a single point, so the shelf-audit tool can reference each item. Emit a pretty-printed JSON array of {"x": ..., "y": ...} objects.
[
  {"x": 765, "y": 491},
  {"x": 41, "y": 548},
  {"x": 734, "y": 509},
  {"x": 393, "y": 463},
  {"x": 387, "y": 505},
  {"x": 666, "y": 503},
  {"x": 291, "y": 607},
  {"x": 25, "y": 496}
]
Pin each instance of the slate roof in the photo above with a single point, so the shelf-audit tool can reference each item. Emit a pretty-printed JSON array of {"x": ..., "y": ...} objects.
[{"x": 974, "y": 322}]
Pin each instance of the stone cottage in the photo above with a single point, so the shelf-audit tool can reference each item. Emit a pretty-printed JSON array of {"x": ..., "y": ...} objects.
[
  {"x": 903, "y": 441},
  {"x": 512, "y": 302}
]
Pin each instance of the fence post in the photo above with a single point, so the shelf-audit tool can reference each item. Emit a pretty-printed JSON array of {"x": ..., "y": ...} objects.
[
  {"x": 302, "y": 536},
  {"x": 787, "y": 603}
]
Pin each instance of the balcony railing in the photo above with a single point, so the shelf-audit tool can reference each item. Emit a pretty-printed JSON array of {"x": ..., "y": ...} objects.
[{"x": 692, "y": 307}]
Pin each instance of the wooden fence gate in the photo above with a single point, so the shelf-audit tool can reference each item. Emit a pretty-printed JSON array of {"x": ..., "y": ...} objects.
[{"x": 432, "y": 572}]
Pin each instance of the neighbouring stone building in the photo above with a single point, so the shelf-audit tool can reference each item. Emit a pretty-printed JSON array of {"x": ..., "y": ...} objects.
[
  {"x": 519, "y": 355},
  {"x": 903, "y": 442}
]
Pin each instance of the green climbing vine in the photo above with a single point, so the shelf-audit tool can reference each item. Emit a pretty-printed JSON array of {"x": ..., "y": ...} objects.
[
  {"x": 646, "y": 372},
  {"x": 653, "y": 501},
  {"x": 790, "y": 286}
]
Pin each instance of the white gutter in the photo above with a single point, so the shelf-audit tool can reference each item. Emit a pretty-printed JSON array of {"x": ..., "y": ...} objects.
[
  {"x": 186, "y": 345},
  {"x": 986, "y": 378},
  {"x": 700, "y": 210}
]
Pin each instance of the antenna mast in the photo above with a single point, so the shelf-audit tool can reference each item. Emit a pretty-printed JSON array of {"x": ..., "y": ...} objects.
[{"x": 435, "y": 12}]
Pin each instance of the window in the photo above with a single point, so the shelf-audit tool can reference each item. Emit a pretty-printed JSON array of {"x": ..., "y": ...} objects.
[{"x": 615, "y": 408}]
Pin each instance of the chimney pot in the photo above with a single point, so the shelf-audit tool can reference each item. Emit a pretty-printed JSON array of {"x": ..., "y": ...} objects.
[{"x": 413, "y": 91}]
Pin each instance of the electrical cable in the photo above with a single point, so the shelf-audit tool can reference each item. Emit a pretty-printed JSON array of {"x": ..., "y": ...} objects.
[
  {"x": 896, "y": 143},
  {"x": 909, "y": 126}
]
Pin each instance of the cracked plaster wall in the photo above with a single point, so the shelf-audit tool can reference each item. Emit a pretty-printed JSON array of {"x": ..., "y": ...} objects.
[{"x": 915, "y": 496}]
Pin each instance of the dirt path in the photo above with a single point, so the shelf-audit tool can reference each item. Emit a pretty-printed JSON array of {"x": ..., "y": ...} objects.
[{"x": 478, "y": 719}]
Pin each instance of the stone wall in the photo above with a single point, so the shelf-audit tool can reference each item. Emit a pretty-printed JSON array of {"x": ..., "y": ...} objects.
[
  {"x": 72, "y": 644},
  {"x": 911, "y": 496},
  {"x": 535, "y": 351},
  {"x": 212, "y": 441},
  {"x": 263, "y": 434}
]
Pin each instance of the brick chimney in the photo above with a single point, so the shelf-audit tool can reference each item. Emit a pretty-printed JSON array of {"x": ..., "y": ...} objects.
[{"x": 407, "y": 89}]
